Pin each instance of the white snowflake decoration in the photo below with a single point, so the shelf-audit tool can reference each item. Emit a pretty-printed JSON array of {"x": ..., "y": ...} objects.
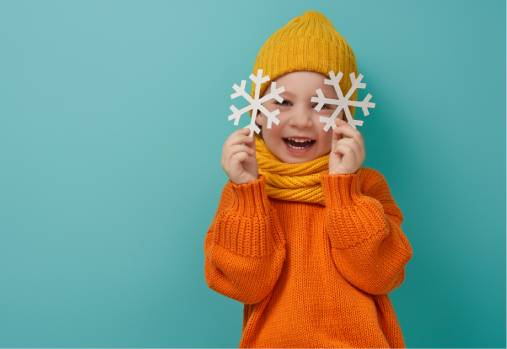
[
  {"x": 343, "y": 102},
  {"x": 255, "y": 104}
]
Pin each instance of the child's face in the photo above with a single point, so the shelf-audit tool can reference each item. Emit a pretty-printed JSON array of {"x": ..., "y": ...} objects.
[{"x": 298, "y": 118}]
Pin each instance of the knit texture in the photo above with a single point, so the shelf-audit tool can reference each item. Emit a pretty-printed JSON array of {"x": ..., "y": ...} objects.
[
  {"x": 311, "y": 275},
  {"x": 306, "y": 43},
  {"x": 291, "y": 181}
]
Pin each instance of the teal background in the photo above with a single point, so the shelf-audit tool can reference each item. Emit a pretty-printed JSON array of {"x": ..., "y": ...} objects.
[{"x": 112, "y": 119}]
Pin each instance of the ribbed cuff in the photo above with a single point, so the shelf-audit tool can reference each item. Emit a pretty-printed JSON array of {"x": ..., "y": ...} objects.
[
  {"x": 341, "y": 189},
  {"x": 250, "y": 198},
  {"x": 245, "y": 228},
  {"x": 352, "y": 218}
]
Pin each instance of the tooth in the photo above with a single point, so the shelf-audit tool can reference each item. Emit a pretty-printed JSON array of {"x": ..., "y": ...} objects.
[{"x": 299, "y": 141}]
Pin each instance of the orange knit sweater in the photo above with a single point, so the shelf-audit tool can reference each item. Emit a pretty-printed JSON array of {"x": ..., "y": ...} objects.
[{"x": 311, "y": 275}]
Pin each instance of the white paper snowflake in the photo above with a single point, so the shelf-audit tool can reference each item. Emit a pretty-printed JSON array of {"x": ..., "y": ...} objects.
[
  {"x": 343, "y": 102},
  {"x": 255, "y": 104}
]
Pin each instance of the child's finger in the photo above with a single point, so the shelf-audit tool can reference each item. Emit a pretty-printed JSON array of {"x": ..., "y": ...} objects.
[
  {"x": 238, "y": 137},
  {"x": 352, "y": 144},
  {"x": 236, "y": 162},
  {"x": 244, "y": 147},
  {"x": 344, "y": 128},
  {"x": 344, "y": 150},
  {"x": 244, "y": 140},
  {"x": 237, "y": 158},
  {"x": 241, "y": 157},
  {"x": 240, "y": 148}
]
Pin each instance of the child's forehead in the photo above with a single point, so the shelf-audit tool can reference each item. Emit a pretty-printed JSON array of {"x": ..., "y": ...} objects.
[
  {"x": 301, "y": 82},
  {"x": 301, "y": 75}
]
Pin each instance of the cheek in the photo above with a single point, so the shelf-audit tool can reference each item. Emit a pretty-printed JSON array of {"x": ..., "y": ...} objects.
[
  {"x": 326, "y": 139},
  {"x": 271, "y": 134},
  {"x": 276, "y": 130},
  {"x": 327, "y": 136}
]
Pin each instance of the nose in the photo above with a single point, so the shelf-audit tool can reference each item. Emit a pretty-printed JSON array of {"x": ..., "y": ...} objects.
[{"x": 301, "y": 118}]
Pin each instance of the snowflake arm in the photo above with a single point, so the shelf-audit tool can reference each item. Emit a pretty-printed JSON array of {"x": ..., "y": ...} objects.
[
  {"x": 255, "y": 104},
  {"x": 343, "y": 102}
]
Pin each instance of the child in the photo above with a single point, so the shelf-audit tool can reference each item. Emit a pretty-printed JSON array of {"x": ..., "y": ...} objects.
[{"x": 307, "y": 239}]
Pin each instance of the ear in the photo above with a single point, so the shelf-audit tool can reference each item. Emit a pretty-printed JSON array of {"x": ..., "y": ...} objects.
[
  {"x": 259, "y": 122},
  {"x": 259, "y": 119}
]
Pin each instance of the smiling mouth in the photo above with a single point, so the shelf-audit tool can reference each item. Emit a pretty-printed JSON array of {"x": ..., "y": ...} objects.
[{"x": 299, "y": 145}]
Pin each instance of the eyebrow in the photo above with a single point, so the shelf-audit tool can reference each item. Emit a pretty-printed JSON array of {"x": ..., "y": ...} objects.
[{"x": 288, "y": 93}]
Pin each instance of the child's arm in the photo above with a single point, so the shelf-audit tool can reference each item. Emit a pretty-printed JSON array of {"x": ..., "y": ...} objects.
[
  {"x": 244, "y": 247},
  {"x": 368, "y": 246}
]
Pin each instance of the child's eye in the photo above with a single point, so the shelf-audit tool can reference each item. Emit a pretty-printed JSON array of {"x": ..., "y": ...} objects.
[
  {"x": 285, "y": 102},
  {"x": 325, "y": 106}
]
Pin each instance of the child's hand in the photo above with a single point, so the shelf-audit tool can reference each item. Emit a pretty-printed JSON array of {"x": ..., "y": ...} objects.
[
  {"x": 347, "y": 153},
  {"x": 238, "y": 157}
]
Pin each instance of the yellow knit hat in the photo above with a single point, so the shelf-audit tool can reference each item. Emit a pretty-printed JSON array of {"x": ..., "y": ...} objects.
[{"x": 307, "y": 42}]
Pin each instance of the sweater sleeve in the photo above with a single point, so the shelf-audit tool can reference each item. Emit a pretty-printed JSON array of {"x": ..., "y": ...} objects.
[
  {"x": 368, "y": 246},
  {"x": 244, "y": 247}
]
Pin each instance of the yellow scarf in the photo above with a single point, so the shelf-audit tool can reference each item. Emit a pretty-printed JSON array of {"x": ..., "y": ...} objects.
[{"x": 291, "y": 182}]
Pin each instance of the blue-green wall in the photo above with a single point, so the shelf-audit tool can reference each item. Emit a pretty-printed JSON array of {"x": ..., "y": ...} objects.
[{"x": 112, "y": 119}]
